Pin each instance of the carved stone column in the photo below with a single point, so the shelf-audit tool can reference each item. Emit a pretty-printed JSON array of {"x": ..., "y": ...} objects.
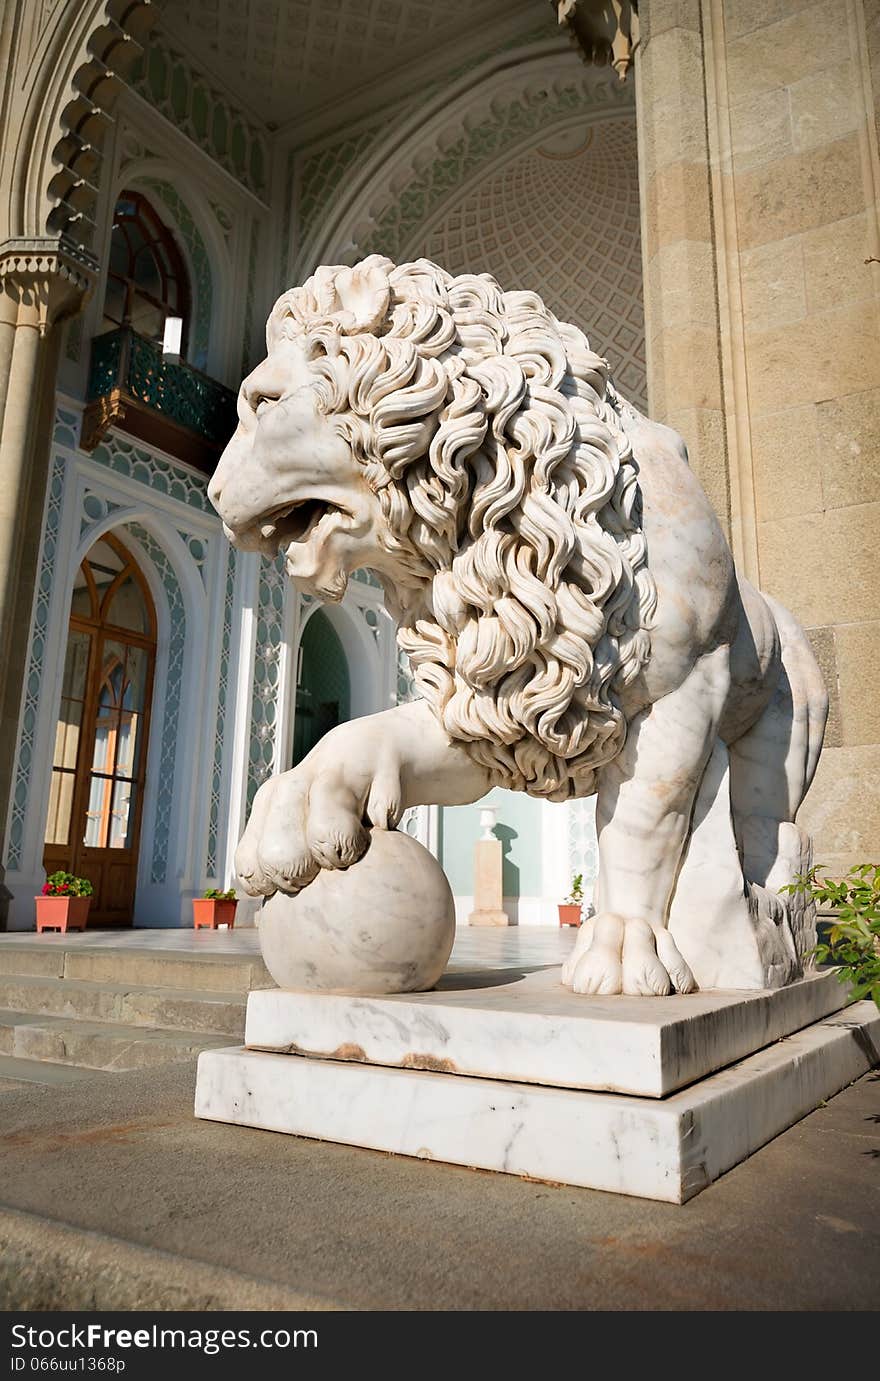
[
  {"x": 8, "y": 318},
  {"x": 44, "y": 281},
  {"x": 679, "y": 248}
]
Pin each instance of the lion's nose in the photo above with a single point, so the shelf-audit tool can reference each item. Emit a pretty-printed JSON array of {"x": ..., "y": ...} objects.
[
  {"x": 215, "y": 489},
  {"x": 217, "y": 482}
]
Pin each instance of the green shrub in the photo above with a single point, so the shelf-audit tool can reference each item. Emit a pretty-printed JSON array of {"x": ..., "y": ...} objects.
[
  {"x": 853, "y": 940},
  {"x": 576, "y": 895}
]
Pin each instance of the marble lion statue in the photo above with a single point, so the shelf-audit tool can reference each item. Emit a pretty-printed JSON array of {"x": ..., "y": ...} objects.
[{"x": 569, "y": 605}]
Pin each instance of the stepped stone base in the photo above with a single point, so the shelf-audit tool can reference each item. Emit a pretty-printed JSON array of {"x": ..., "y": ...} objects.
[
  {"x": 708, "y": 1078},
  {"x": 529, "y": 1028}
]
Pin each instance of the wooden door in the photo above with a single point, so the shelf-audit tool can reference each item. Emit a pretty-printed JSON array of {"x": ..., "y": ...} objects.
[{"x": 98, "y": 771}]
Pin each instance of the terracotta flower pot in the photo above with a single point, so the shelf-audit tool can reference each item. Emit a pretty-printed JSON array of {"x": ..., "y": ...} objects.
[
  {"x": 211, "y": 914},
  {"x": 569, "y": 914},
  {"x": 62, "y": 913}
]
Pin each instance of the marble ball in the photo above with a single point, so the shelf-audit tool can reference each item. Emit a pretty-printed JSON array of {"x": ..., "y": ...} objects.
[{"x": 384, "y": 925}]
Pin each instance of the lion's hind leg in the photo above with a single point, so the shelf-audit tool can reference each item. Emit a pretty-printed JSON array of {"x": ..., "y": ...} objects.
[{"x": 771, "y": 768}]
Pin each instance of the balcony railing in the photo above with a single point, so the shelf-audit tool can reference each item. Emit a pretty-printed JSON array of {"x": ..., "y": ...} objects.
[{"x": 133, "y": 387}]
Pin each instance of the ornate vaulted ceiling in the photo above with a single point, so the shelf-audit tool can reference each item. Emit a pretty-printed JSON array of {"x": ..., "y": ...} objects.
[
  {"x": 288, "y": 58},
  {"x": 564, "y": 218}
]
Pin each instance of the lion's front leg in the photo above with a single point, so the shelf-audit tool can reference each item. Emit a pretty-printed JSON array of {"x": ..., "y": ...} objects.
[
  {"x": 365, "y": 772},
  {"x": 643, "y": 815}
]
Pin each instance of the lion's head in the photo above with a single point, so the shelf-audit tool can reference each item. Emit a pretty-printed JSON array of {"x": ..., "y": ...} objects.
[{"x": 464, "y": 444}]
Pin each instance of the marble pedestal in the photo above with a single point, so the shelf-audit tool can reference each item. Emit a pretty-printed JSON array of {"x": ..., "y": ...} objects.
[
  {"x": 512, "y": 1072},
  {"x": 488, "y": 884}
]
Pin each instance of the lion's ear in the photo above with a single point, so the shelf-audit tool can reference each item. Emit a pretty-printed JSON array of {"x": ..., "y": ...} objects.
[{"x": 364, "y": 293}]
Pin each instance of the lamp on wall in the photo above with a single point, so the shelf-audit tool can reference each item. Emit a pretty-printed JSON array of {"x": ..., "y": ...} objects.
[{"x": 172, "y": 339}]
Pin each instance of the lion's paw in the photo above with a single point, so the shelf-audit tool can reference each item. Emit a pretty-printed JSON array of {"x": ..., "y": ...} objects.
[
  {"x": 317, "y": 815},
  {"x": 614, "y": 955}
]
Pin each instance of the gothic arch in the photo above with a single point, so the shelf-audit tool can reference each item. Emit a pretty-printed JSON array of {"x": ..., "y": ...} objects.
[
  {"x": 361, "y": 654},
  {"x": 64, "y": 114},
  {"x": 179, "y": 599}
]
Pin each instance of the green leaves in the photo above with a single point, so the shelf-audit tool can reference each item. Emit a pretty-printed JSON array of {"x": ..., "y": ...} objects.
[
  {"x": 854, "y": 937},
  {"x": 576, "y": 895},
  {"x": 214, "y": 894},
  {"x": 63, "y": 884}
]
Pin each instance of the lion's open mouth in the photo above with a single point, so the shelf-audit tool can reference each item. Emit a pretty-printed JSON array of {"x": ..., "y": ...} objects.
[{"x": 294, "y": 522}]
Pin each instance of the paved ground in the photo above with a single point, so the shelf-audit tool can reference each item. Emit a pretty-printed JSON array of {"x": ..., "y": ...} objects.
[
  {"x": 245, "y": 940},
  {"x": 186, "y": 1214},
  {"x": 113, "y": 1196},
  {"x": 490, "y": 948}
]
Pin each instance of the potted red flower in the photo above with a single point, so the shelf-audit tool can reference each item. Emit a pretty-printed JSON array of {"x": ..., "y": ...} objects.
[
  {"x": 64, "y": 903},
  {"x": 570, "y": 909},
  {"x": 214, "y": 908}
]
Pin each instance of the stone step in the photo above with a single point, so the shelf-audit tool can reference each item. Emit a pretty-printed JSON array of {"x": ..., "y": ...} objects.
[
  {"x": 98, "y": 1045},
  {"x": 16, "y": 1073},
  {"x": 169, "y": 1008},
  {"x": 49, "y": 957},
  {"x": 47, "y": 1265},
  {"x": 43, "y": 962}
]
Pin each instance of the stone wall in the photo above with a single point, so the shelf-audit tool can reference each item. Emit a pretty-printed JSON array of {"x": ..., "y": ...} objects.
[{"x": 760, "y": 178}]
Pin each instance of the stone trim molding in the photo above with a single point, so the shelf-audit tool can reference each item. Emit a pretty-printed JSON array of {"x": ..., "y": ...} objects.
[
  {"x": 191, "y": 100},
  {"x": 51, "y": 277},
  {"x": 604, "y": 33},
  {"x": 732, "y": 343}
]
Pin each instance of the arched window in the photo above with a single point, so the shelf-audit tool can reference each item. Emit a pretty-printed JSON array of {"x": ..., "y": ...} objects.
[
  {"x": 99, "y": 763},
  {"x": 146, "y": 278},
  {"x": 323, "y": 693}
]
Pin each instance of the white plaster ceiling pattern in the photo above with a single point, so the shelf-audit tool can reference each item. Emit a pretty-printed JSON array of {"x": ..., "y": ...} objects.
[
  {"x": 563, "y": 220},
  {"x": 286, "y": 58}
]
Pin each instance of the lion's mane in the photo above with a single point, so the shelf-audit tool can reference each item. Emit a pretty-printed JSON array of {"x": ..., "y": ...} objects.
[{"x": 489, "y": 432}]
